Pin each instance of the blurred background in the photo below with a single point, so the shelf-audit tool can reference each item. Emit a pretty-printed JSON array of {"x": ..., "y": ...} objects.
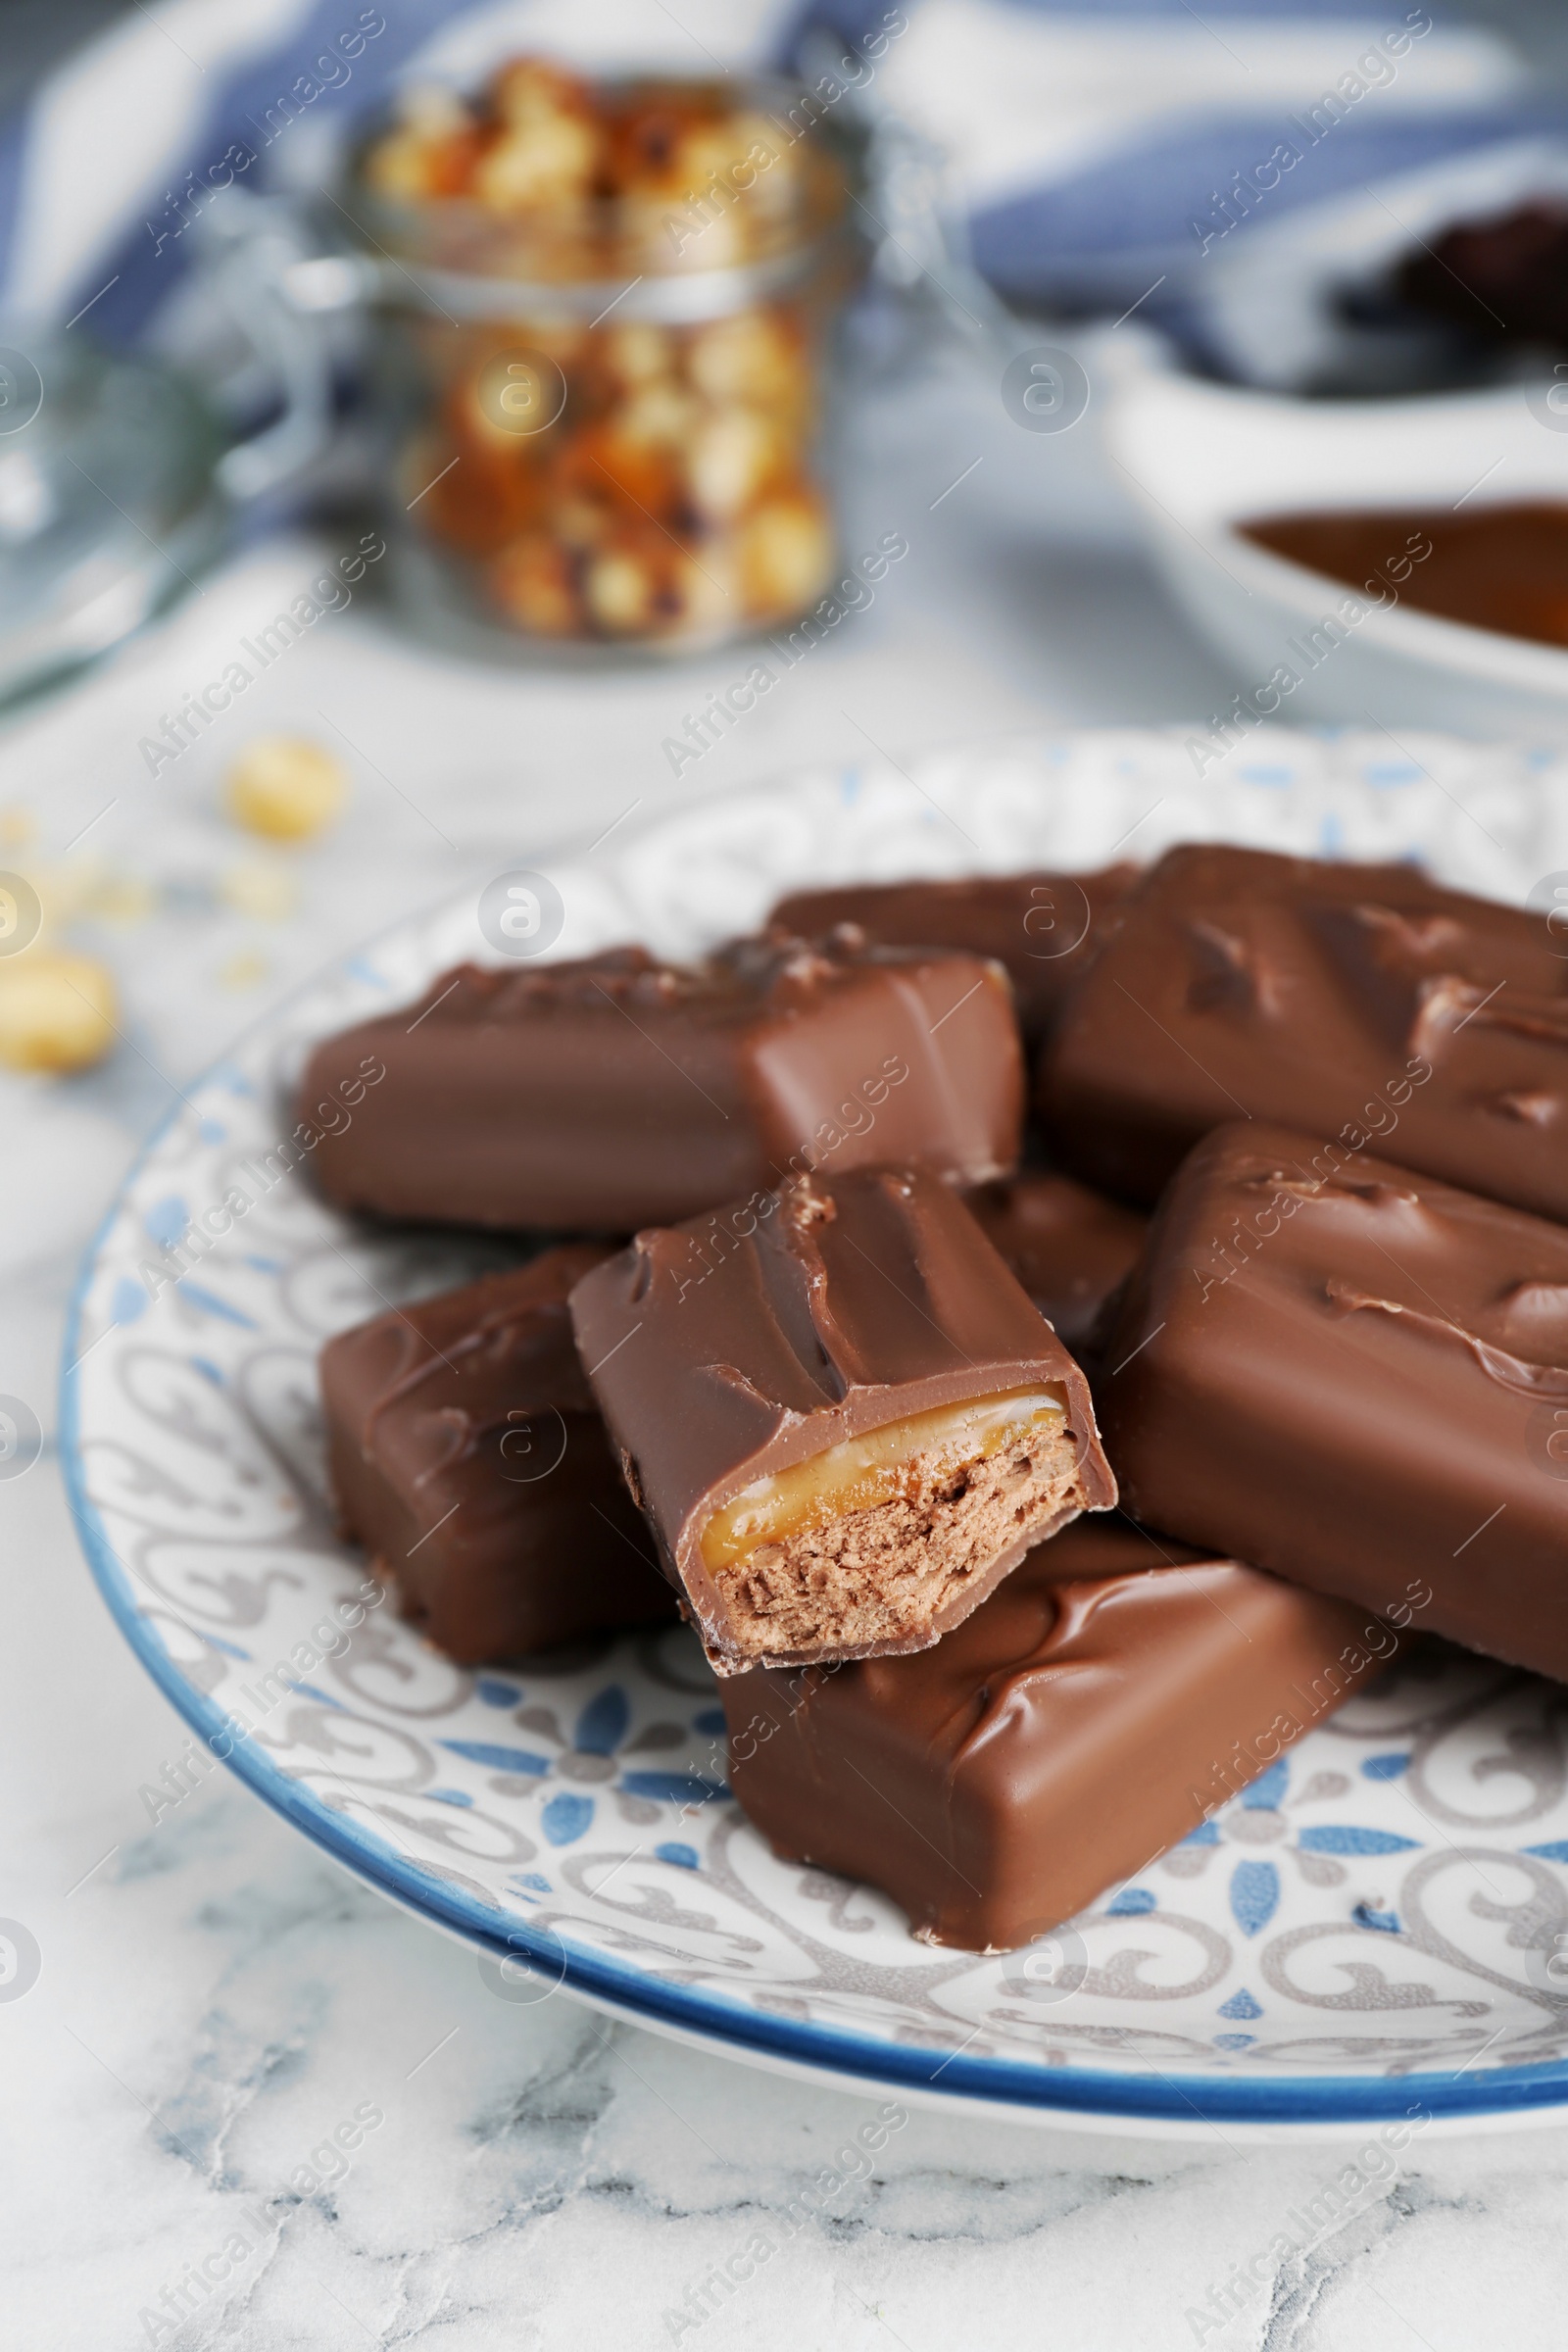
[
  {"x": 430, "y": 432},
  {"x": 1023, "y": 361},
  {"x": 438, "y": 431}
]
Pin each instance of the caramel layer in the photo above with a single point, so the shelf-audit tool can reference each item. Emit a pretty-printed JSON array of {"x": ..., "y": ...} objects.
[{"x": 877, "y": 1467}]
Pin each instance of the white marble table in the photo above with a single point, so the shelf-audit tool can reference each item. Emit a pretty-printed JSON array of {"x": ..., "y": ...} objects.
[{"x": 215, "y": 2000}]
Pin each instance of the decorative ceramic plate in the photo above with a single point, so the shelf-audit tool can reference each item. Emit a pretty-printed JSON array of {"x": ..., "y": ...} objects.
[{"x": 1378, "y": 1925}]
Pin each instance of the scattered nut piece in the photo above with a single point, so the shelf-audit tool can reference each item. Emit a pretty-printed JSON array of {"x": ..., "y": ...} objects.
[
  {"x": 57, "y": 1011},
  {"x": 285, "y": 787},
  {"x": 246, "y": 969},
  {"x": 262, "y": 888},
  {"x": 122, "y": 899}
]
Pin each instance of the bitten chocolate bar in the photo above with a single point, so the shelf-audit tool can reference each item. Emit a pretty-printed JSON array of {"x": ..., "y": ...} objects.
[
  {"x": 599, "y": 1095},
  {"x": 467, "y": 1457},
  {"x": 1043, "y": 926},
  {"x": 1360, "y": 1003},
  {"x": 844, "y": 1418},
  {"x": 1357, "y": 1377},
  {"x": 1107, "y": 1696},
  {"x": 1069, "y": 1247}
]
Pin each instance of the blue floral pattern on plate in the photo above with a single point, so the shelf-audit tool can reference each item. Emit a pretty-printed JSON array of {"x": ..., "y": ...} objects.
[{"x": 1374, "y": 1915}]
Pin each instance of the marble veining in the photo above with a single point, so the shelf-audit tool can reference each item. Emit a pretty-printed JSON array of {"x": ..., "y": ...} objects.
[
  {"x": 1389, "y": 1899},
  {"x": 214, "y": 1997}
]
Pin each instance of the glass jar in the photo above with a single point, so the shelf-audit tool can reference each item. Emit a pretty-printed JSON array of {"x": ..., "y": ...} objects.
[
  {"x": 108, "y": 504},
  {"x": 603, "y": 321}
]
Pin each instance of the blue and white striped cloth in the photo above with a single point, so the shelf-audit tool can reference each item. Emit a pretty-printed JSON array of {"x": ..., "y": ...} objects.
[
  {"x": 1094, "y": 152},
  {"x": 126, "y": 143},
  {"x": 1086, "y": 149}
]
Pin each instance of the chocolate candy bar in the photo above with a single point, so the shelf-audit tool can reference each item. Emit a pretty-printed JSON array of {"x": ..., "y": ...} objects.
[
  {"x": 1068, "y": 1246},
  {"x": 1363, "y": 1004},
  {"x": 1043, "y": 926},
  {"x": 599, "y": 1095},
  {"x": 1089, "y": 1715},
  {"x": 466, "y": 1457},
  {"x": 1357, "y": 1377},
  {"x": 844, "y": 1418}
]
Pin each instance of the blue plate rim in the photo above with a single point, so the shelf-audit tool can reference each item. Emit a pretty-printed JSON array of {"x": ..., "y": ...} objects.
[{"x": 857, "y": 2060}]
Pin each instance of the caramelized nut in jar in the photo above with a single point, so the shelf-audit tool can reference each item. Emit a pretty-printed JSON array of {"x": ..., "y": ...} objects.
[{"x": 605, "y": 315}]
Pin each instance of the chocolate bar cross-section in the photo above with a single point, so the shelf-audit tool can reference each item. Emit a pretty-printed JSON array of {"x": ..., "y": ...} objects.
[{"x": 843, "y": 1416}]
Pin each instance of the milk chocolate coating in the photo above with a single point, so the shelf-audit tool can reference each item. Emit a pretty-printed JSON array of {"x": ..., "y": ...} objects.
[
  {"x": 1043, "y": 926},
  {"x": 1358, "y": 1003},
  {"x": 1069, "y": 1247},
  {"x": 599, "y": 1095},
  {"x": 729, "y": 1347},
  {"x": 1087, "y": 1716},
  {"x": 1355, "y": 1376},
  {"x": 466, "y": 1457}
]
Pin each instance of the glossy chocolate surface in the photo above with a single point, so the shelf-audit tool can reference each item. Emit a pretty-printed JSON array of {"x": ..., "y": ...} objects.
[
  {"x": 1090, "y": 1714},
  {"x": 732, "y": 1347},
  {"x": 599, "y": 1095},
  {"x": 1357, "y": 1377},
  {"x": 467, "y": 1457},
  {"x": 1363, "y": 1004},
  {"x": 1068, "y": 1245},
  {"x": 1043, "y": 926}
]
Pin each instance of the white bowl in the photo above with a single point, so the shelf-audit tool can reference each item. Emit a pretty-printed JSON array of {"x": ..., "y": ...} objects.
[{"x": 1201, "y": 459}]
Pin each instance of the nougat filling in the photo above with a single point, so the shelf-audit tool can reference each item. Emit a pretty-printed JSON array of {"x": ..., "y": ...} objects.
[{"x": 877, "y": 1540}]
